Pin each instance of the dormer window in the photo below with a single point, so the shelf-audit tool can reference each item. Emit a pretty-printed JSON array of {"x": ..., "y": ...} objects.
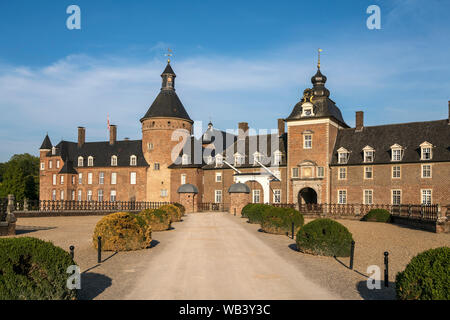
[
  {"x": 185, "y": 159},
  {"x": 219, "y": 160},
  {"x": 90, "y": 161},
  {"x": 114, "y": 161},
  {"x": 238, "y": 159},
  {"x": 53, "y": 151},
  {"x": 80, "y": 161},
  {"x": 277, "y": 157},
  {"x": 257, "y": 157},
  {"x": 133, "y": 160},
  {"x": 369, "y": 154},
  {"x": 307, "y": 110},
  {"x": 426, "y": 152},
  {"x": 396, "y": 152},
  {"x": 343, "y": 155},
  {"x": 209, "y": 160}
]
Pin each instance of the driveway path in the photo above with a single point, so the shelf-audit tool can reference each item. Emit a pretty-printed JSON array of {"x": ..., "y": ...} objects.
[{"x": 212, "y": 256}]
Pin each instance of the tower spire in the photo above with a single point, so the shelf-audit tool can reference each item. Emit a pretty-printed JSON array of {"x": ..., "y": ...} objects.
[
  {"x": 169, "y": 54},
  {"x": 318, "y": 62}
]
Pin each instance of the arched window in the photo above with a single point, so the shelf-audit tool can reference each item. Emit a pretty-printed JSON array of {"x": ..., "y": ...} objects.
[
  {"x": 80, "y": 161},
  {"x": 133, "y": 160},
  {"x": 90, "y": 161},
  {"x": 114, "y": 161}
]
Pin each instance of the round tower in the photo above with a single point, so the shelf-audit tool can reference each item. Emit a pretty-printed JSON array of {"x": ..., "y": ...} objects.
[{"x": 165, "y": 116}]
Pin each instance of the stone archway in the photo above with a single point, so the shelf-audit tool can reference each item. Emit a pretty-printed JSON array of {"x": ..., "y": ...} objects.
[{"x": 307, "y": 196}]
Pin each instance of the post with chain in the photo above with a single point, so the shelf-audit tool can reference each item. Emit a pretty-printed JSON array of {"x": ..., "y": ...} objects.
[
  {"x": 352, "y": 254},
  {"x": 72, "y": 251},
  {"x": 99, "y": 249},
  {"x": 386, "y": 269}
]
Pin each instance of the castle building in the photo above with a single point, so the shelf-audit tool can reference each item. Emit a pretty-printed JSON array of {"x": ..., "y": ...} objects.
[{"x": 313, "y": 157}]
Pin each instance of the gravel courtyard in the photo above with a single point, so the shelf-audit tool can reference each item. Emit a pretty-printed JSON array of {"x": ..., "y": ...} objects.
[{"x": 219, "y": 256}]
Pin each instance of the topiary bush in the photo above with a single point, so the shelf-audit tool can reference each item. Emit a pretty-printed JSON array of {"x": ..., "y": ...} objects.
[
  {"x": 157, "y": 219},
  {"x": 123, "y": 231},
  {"x": 32, "y": 269},
  {"x": 426, "y": 277},
  {"x": 378, "y": 215},
  {"x": 173, "y": 211},
  {"x": 256, "y": 211},
  {"x": 181, "y": 207},
  {"x": 279, "y": 220},
  {"x": 324, "y": 237},
  {"x": 245, "y": 210}
]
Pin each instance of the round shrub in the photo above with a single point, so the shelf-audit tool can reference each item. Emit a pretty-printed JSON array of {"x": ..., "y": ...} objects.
[
  {"x": 377, "y": 215},
  {"x": 324, "y": 237},
  {"x": 173, "y": 211},
  {"x": 157, "y": 219},
  {"x": 426, "y": 277},
  {"x": 32, "y": 269},
  {"x": 279, "y": 220},
  {"x": 256, "y": 211},
  {"x": 181, "y": 207},
  {"x": 123, "y": 231},
  {"x": 245, "y": 210}
]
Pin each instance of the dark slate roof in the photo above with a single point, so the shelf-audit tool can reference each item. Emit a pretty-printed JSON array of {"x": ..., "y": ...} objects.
[
  {"x": 239, "y": 188},
  {"x": 187, "y": 188},
  {"x": 168, "y": 70},
  {"x": 68, "y": 168},
  {"x": 102, "y": 152},
  {"x": 46, "y": 144},
  {"x": 408, "y": 135},
  {"x": 167, "y": 104}
]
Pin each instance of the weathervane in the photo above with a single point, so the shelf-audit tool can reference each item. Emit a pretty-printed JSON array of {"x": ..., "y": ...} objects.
[
  {"x": 318, "y": 63},
  {"x": 169, "y": 54}
]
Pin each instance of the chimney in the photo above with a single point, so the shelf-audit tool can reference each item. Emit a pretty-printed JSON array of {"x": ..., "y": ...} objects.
[
  {"x": 81, "y": 136},
  {"x": 243, "y": 128},
  {"x": 359, "y": 120},
  {"x": 280, "y": 127},
  {"x": 112, "y": 134}
]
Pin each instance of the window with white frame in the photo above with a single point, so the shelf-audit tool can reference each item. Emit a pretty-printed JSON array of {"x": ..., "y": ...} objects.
[
  {"x": 219, "y": 160},
  {"x": 185, "y": 159},
  {"x": 209, "y": 160},
  {"x": 320, "y": 172},
  {"x": 80, "y": 161},
  {"x": 100, "y": 195},
  {"x": 73, "y": 195},
  {"x": 80, "y": 195},
  {"x": 396, "y": 172},
  {"x": 183, "y": 179},
  {"x": 163, "y": 193},
  {"x": 294, "y": 172},
  {"x": 53, "y": 151},
  {"x": 42, "y": 165},
  {"x": 218, "y": 196},
  {"x": 368, "y": 196},
  {"x": 61, "y": 179},
  {"x": 256, "y": 196},
  {"x": 307, "y": 141},
  {"x": 426, "y": 151},
  {"x": 342, "y": 173},
  {"x": 368, "y": 172},
  {"x": 53, "y": 194},
  {"x": 277, "y": 196},
  {"x": 90, "y": 161},
  {"x": 342, "y": 155},
  {"x": 54, "y": 179},
  {"x": 114, "y": 161},
  {"x": 133, "y": 178},
  {"x": 50, "y": 164},
  {"x": 342, "y": 196},
  {"x": 369, "y": 153},
  {"x": 257, "y": 158},
  {"x": 133, "y": 160},
  {"x": 89, "y": 195},
  {"x": 101, "y": 178},
  {"x": 426, "y": 171},
  {"x": 80, "y": 178},
  {"x": 114, "y": 178},
  {"x": 156, "y": 166},
  {"x": 61, "y": 195},
  {"x": 112, "y": 195},
  {"x": 396, "y": 152},
  {"x": 238, "y": 159},
  {"x": 90, "y": 178},
  {"x": 396, "y": 197},
  {"x": 218, "y": 176},
  {"x": 58, "y": 163},
  {"x": 73, "y": 180},
  {"x": 277, "y": 157},
  {"x": 426, "y": 196}
]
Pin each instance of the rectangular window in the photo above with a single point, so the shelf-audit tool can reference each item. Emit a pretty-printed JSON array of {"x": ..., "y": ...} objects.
[
  {"x": 426, "y": 196},
  {"x": 218, "y": 196},
  {"x": 277, "y": 158},
  {"x": 294, "y": 172},
  {"x": 368, "y": 196},
  {"x": 426, "y": 153},
  {"x": 89, "y": 195},
  {"x": 80, "y": 178},
  {"x": 100, "y": 195},
  {"x": 53, "y": 194},
  {"x": 368, "y": 156},
  {"x": 57, "y": 164},
  {"x": 42, "y": 165},
  {"x": 62, "y": 195},
  {"x": 396, "y": 172},
  {"x": 50, "y": 164},
  {"x": 133, "y": 178},
  {"x": 163, "y": 193},
  {"x": 112, "y": 196},
  {"x": 368, "y": 173},
  {"x": 342, "y": 157},
  {"x": 396, "y": 154},
  {"x": 426, "y": 171},
  {"x": 277, "y": 196},
  {"x": 114, "y": 178},
  {"x": 396, "y": 197},
  {"x": 73, "y": 181},
  {"x": 218, "y": 176},
  {"x": 342, "y": 196},
  {"x": 256, "y": 196},
  {"x": 183, "y": 179},
  {"x": 61, "y": 178},
  {"x": 320, "y": 172},
  {"x": 156, "y": 166},
  {"x": 342, "y": 173},
  {"x": 73, "y": 195},
  {"x": 101, "y": 178},
  {"x": 90, "y": 178},
  {"x": 54, "y": 179},
  {"x": 79, "y": 195},
  {"x": 307, "y": 141}
]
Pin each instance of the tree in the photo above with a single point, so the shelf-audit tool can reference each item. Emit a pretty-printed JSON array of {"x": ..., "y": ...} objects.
[{"x": 20, "y": 177}]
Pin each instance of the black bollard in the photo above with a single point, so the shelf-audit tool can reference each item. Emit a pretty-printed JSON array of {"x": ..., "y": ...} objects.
[
  {"x": 99, "y": 249},
  {"x": 292, "y": 236},
  {"x": 352, "y": 254},
  {"x": 234, "y": 211},
  {"x": 72, "y": 253},
  {"x": 386, "y": 269}
]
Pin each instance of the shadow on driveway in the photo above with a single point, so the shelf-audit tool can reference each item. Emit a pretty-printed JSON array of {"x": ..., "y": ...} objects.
[{"x": 93, "y": 284}]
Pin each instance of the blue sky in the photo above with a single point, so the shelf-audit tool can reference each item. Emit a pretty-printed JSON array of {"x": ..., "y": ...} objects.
[{"x": 235, "y": 61}]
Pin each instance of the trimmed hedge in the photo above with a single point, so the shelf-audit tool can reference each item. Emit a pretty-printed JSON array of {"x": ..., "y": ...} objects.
[
  {"x": 378, "y": 215},
  {"x": 324, "y": 237},
  {"x": 173, "y": 211},
  {"x": 157, "y": 219},
  {"x": 279, "y": 220},
  {"x": 255, "y": 212},
  {"x": 32, "y": 269},
  {"x": 426, "y": 277},
  {"x": 181, "y": 207},
  {"x": 122, "y": 231}
]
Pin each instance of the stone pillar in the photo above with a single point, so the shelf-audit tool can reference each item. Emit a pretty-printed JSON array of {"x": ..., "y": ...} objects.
[
  {"x": 239, "y": 198},
  {"x": 8, "y": 227}
]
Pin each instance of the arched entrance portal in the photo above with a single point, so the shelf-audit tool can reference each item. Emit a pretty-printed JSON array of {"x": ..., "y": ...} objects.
[{"x": 307, "y": 196}]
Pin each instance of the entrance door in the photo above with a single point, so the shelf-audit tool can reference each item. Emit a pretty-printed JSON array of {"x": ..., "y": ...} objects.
[{"x": 307, "y": 198}]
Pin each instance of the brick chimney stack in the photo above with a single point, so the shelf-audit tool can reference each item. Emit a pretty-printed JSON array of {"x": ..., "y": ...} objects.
[
  {"x": 359, "y": 120},
  {"x": 112, "y": 134},
  {"x": 243, "y": 128},
  {"x": 81, "y": 136},
  {"x": 281, "y": 127}
]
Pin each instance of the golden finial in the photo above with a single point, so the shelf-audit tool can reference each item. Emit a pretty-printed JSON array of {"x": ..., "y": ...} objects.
[
  {"x": 318, "y": 63},
  {"x": 169, "y": 54}
]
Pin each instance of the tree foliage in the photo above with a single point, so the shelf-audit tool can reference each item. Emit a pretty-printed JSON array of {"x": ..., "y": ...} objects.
[{"x": 20, "y": 177}]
